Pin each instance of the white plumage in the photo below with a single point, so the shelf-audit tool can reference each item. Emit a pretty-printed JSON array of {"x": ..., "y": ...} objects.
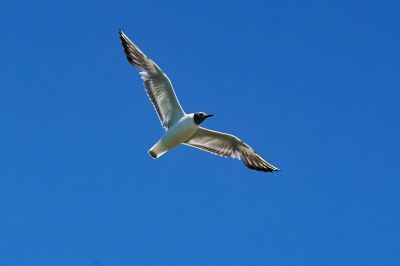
[{"x": 182, "y": 128}]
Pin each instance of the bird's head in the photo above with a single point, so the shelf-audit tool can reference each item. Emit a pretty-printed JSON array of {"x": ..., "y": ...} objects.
[{"x": 200, "y": 117}]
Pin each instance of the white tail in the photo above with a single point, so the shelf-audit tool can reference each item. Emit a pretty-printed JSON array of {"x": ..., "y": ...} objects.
[{"x": 157, "y": 150}]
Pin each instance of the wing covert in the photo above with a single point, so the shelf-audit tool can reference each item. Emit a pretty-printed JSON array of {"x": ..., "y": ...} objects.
[
  {"x": 227, "y": 145},
  {"x": 157, "y": 84}
]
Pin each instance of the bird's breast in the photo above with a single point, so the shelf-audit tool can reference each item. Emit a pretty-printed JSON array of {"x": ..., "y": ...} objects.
[{"x": 179, "y": 133}]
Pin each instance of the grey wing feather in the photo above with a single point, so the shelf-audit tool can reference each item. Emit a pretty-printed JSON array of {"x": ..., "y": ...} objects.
[
  {"x": 226, "y": 145},
  {"x": 157, "y": 85}
]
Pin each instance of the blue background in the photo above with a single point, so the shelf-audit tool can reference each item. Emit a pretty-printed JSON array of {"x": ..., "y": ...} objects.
[{"x": 313, "y": 86}]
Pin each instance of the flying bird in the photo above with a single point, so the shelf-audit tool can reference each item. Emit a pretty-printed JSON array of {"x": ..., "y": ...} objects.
[{"x": 182, "y": 128}]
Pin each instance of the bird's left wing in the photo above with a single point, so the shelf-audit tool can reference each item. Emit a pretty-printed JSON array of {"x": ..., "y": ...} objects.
[
  {"x": 227, "y": 145},
  {"x": 156, "y": 82}
]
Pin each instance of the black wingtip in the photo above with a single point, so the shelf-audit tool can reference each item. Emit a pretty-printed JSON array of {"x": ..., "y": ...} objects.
[
  {"x": 262, "y": 169},
  {"x": 273, "y": 170},
  {"x": 269, "y": 170}
]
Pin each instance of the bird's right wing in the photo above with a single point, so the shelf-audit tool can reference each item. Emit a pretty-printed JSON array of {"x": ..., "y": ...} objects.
[
  {"x": 227, "y": 145},
  {"x": 156, "y": 82}
]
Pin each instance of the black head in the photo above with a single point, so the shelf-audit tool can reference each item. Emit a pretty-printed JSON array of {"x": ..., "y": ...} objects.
[{"x": 200, "y": 117}]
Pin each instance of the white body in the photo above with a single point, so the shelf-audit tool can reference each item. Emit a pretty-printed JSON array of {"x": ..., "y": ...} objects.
[
  {"x": 181, "y": 127},
  {"x": 178, "y": 133}
]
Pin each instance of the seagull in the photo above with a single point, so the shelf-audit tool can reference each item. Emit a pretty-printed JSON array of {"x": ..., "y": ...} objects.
[{"x": 182, "y": 128}]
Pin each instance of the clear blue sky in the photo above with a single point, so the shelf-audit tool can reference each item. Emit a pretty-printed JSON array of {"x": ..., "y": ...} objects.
[{"x": 313, "y": 86}]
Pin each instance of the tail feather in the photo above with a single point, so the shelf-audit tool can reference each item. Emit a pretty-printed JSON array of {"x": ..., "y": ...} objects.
[{"x": 157, "y": 150}]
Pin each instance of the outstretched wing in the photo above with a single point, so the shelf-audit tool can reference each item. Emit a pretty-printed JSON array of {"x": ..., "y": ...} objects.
[
  {"x": 229, "y": 146},
  {"x": 156, "y": 82}
]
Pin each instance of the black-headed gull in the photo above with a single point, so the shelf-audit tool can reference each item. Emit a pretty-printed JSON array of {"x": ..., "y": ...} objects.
[{"x": 182, "y": 128}]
